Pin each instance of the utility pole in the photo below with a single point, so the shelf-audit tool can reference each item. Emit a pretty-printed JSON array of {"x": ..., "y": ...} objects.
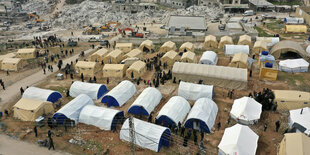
[{"x": 132, "y": 135}]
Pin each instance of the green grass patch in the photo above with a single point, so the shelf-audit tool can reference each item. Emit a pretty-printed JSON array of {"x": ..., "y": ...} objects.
[
  {"x": 199, "y": 51},
  {"x": 293, "y": 78},
  {"x": 275, "y": 25},
  {"x": 294, "y": 2},
  {"x": 261, "y": 32}
]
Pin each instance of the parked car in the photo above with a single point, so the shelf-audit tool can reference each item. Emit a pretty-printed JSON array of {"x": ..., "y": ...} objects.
[
  {"x": 215, "y": 20},
  {"x": 222, "y": 27},
  {"x": 104, "y": 43}
]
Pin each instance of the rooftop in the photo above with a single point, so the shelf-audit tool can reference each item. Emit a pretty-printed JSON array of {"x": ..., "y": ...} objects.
[
  {"x": 260, "y": 3},
  {"x": 190, "y": 22}
]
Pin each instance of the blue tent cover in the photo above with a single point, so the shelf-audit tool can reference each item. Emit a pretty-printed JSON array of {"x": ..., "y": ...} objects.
[
  {"x": 203, "y": 126},
  {"x": 59, "y": 118},
  {"x": 167, "y": 121},
  {"x": 164, "y": 139},
  {"x": 110, "y": 100},
  {"x": 120, "y": 115},
  {"x": 53, "y": 97},
  {"x": 137, "y": 110},
  {"x": 102, "y": 90}
]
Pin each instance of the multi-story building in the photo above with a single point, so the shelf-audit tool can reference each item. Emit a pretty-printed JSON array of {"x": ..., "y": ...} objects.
[
  {"x": 235, "y": 6},
  {"x": 208, "y": 2}
]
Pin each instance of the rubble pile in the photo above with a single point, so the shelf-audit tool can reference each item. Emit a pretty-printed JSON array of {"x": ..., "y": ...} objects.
[
  {"x": 40, "y": 7},
  {"x": 100, "y": 13}
]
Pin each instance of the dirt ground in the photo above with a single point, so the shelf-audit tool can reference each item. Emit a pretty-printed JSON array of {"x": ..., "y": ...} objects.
[{"x": 99, "y": 141}]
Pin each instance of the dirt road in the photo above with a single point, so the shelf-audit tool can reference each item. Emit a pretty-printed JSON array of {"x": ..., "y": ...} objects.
[{"x": 10, "y": 146}]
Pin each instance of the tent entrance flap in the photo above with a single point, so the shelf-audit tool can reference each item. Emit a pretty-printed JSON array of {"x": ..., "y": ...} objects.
[
  {"x": 116, "y": 120},
  {"x": 102, "y": 90},
  {"x": 138, "y": 110},
  {"x": 201, "y": 124},
  {"x": 166, "y": 120},
  {"x": 164, "y": 139},
  {"x": 55, "y": 96},
  {"x": 59, "y": 118},
  {"x": 110, "y": 101}
]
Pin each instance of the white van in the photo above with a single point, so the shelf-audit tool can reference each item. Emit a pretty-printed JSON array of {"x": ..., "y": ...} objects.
[{"x": 248, "y": 13}]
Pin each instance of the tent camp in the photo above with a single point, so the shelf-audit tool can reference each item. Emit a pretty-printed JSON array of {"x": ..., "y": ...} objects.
[
  {"x": 39, "y": 94},
  {"x": 120, "y": 94},
  {"x": 170, "y": 58},
  {"x": 147, "y": 135},
  {"x": 9, "y": 55},
  {"x": 192, "y": 91},
  {"x": 294, "y": 65},
  {"x": 295, "y": 29},
  {"x": 147, "y": 46},
  {"x": 210, "y": 41},
  {"x": 294, "y": 144},
  {"x": 291, "y": 99},
  {"x": 173, "y": 112},
  {"x": 238, "y": 139},
  {"x": 246, "y": 111},
  {"x": 209, "y": 58},
  {"x": 26, "y": 53},
  {"x": 240, "y": 60},
  {"x": 293, "y": 20},
  {"x": 285, "y": 46},
  {"x": 189, "y": 57},
  {"x": 12, "y": 64},
  {"x": 124, "y": 47},
  {"x": 101, "y": 117},
  {"x": 114, "y": 57},
  {"x": 99, "y": 55},
  {"x": 259, "y": 47},
  {"x": 114, "y": 70},
  {"x": 72, "y": 109},
  {"x": 93, "y": 90},
  {"x": 29, "y": 110},
  {"x": 136, "y": 70},
  {"x": 187, "y": 47},
  {"x": 245, "y": 40},
  {"x": 135, "y": 53},
  {"x": 146, "y": 102},
  {"x": 299, "y": 120},
  {"x": 168, "y": 46},
  {"x": 269, "y": 40},
  {"x": 226, "y": 40},
  {"x": 233, "y": 49},
  {"x": 202, "y": 116},
  {"x": 88, "y": 68},
  {"x": 225, "y": 77}
]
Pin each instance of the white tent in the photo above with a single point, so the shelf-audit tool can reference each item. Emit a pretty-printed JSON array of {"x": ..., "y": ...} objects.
[
  {"x": 192, "y": 91},
  {"x": 93, "y": 90},
  {"x": 202, "y": 116},
  {"x": 101, "y": 117},
  {"x": 293, "y": 20},
  {"x": 72, "y": 109},
  {"x": 147, "y": 135},
  {"x": 120, "y": 94},
  {"x": 246, "y": 110},
  {"x": 233, "y": 49},
  {"x": 39, "y": 94},
  {"x": 146, "y": 102},
  {"x": 209, "y": 58},
  {"x": 308, "y": 49},
  {"x": 300, "y": 120},
  {"x": 294, "y": 65},
  {"x": 174, "y": 111},
  {"x": 238, "y": 140}
]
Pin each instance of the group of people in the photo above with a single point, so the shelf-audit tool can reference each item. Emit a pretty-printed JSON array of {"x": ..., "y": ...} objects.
[{"x": 266, "y": 98}]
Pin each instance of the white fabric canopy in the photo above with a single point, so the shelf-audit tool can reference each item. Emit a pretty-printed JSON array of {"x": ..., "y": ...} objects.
[
  {"x": 100, "y": 117},
  {"x": 233, "y": 49},
  {"x": 72, "y": 109},
  {"x": 204, "y": 110},
  {"x": 90, "y": 89},
  {"x": 294, "y": 65},
  {"x": 246, "y": 110},
  {"x": 192, "y": 91},
  {"x": 209, "y": 58},
  {"x": 293, "y": 20},
  {"x": 302, "y": 119},
  {"x": 121, "y": 93},
  {"x": 148, "y": 99},
  {"x": 147, "y": 135},
  {"x": 308, "y": 49},
  {"x": 175, "y": 109},
  {"x": 238, "y": 140},
  {"x": 39, "y": 94}
]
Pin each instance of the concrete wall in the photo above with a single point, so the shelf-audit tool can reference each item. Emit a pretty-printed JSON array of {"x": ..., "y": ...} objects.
[{"x": 301, "y": 13}]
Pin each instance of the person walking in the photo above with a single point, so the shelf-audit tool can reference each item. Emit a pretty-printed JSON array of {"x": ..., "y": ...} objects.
[
  {"x": 82, "y": 77},
  {"x": 44, "y": 72},
  {"x": 95, "y": 79},
  {"x": 35, "y": 130},
  {"x": 150, "y": 118},
  {"x": 51, "y": 144},
  {"x": 182, "y": 131},
  {"x": 7, "y": 73},
  {"x": 21, "y": 90},
  {"x": 218, "y": 126},
  {"x": 202, "y": 135},
  {"x": 108, "y": 80},
  {"x": 2, "y": 84},
  {"x": 265, "y": 127},
  {"x": 277, "y": 125}
]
